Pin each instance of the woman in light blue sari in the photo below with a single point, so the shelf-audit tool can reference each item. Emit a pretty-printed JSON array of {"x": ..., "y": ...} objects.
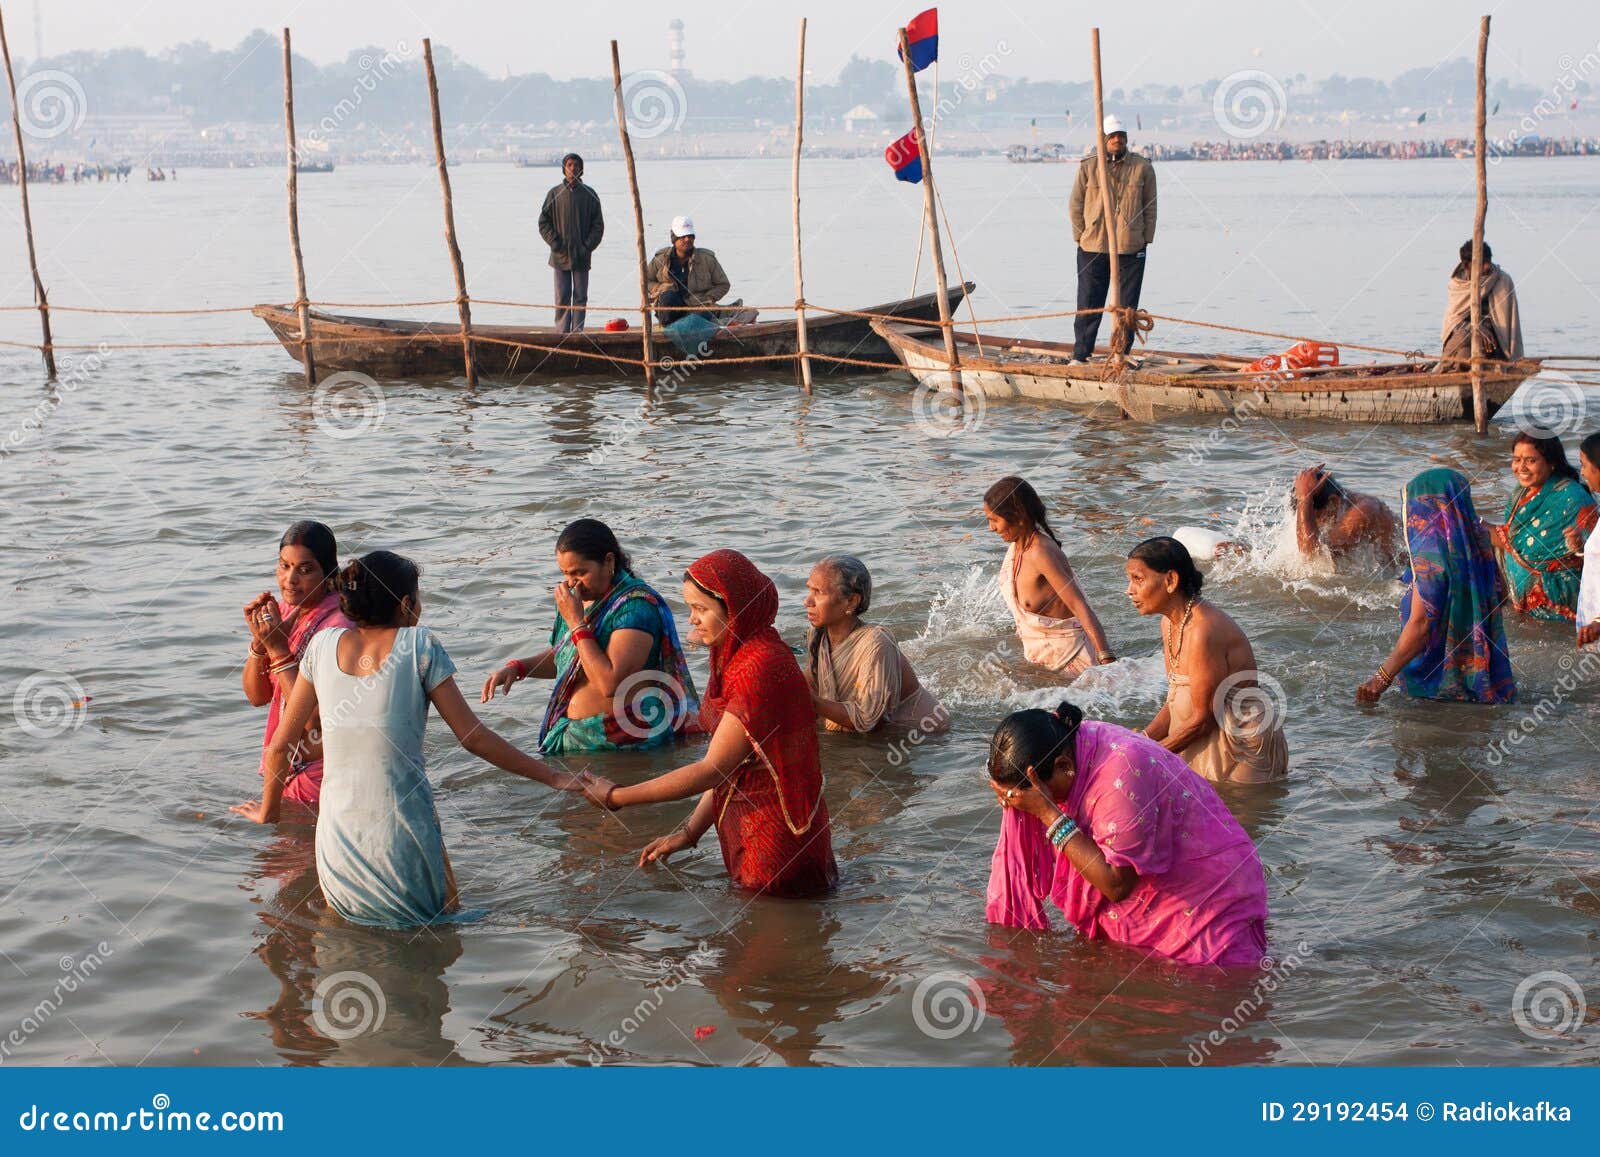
[
  {"x": 621, "y": 680},
  {"x": 380, "y": 852}
]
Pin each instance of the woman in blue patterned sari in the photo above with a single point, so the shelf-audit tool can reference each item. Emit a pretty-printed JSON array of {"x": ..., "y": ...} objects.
[
  {"x": 621, "y": 682},
  {"x": 1452, "y": 643}
]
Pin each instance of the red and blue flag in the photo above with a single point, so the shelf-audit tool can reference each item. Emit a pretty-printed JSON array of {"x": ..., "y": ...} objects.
[
  {"x": 905, "y": 158},
  {"x": 922, "y": 39}
]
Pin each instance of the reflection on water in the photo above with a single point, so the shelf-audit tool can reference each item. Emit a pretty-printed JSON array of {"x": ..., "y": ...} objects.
[{"x": 1423, "y": 879}]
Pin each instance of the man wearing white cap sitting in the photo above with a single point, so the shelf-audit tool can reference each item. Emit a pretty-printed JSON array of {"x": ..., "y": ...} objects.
[
  {"x": 682, "y": 275},
  {"x": 1133, "y": 201}
]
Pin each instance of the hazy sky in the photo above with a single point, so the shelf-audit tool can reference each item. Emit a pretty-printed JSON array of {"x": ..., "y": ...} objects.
[{"x": 1168, "y": 41}]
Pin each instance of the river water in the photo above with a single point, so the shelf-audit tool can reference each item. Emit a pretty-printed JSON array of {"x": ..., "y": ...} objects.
[{"x": 1423, "y": 872}]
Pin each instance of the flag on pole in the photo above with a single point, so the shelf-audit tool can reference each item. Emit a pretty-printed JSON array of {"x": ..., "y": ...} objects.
[
  {"x": 1422, "y": 118},
  {"x": 922, "y": 38},
  {"x": 905, "y": 158}
]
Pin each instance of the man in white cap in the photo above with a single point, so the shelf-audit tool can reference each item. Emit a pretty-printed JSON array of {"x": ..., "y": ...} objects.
[
  {"x": 1133, "y": 201},
  {"x": 681, "y": 274}
]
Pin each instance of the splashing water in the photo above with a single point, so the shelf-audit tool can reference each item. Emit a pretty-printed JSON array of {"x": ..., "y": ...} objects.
[{"x": 1265, "y": 527}]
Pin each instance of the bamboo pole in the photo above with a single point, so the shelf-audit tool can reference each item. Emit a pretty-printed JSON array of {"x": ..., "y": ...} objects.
[
  {"x": 1107, "y": 208},
  {"x": 1480, "y": 409},
  {"x": 799, "y": 274},
  {"x": 646, "y": 334},
  {"x": 302, "y": 307},
  {"x": 450, "y": 218},
  {"x": 39, "y": 298},
  {"x": 945, "y": 324}
]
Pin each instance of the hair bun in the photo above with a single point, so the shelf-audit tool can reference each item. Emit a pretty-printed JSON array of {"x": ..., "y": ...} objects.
[{"x": 1068, "y": 715}]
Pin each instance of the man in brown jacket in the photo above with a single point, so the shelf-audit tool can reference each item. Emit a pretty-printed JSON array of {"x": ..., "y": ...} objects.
[
  {"x": 681, "y": 274},
  {"x": 1133, "y": 200}
]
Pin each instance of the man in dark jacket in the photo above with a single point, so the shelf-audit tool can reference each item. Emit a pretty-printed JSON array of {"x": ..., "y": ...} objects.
[{"x": 571, "y": 225}]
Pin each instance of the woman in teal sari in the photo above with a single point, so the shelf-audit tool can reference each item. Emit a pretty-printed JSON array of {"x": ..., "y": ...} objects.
[
  {"x": 621, "y": 681},
  {"x": 1452, "y": 643},
  {"x": 1541, "y": 566}
]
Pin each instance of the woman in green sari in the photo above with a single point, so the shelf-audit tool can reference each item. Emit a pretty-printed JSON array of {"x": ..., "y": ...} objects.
[
  {"x": 1540, "y": 565},
  {"x": 621, "y": 680}
]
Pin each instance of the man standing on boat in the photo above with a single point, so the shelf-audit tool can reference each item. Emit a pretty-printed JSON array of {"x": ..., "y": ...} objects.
[
  {"x": 1133, "y": 200},
  {"x": 572, "y": 226}
]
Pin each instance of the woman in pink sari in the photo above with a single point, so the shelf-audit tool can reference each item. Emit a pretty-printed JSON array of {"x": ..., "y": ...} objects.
[
  {"x": 280, "y": 628},
  {"x": 1125, "y": 838}
]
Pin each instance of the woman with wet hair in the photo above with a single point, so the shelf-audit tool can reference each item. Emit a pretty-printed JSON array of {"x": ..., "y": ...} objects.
[
  {"x": 1124, "y": 838},
  {"x": 380, "y": 851},
  {"x": 280, "y": 629},
  {"x": 1588, "y": 611},
  {"x": 621, "y": 679},
  {"x": 859, "y": 679},
  {"x": 1054, "y": 620},
  {"x": 1217, "y": 715}
]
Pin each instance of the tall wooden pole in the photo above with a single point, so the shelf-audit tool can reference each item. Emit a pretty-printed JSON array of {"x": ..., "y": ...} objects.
[
  {"x": 1480, "y": 408},
  {"x": 301, "y": 305},
  {"x": 638, "y": 221},
  {"x": 799, "y": 275},
  {"x": 39, "y": 297},
  {"x": 933, "y": 217},
  {"x": 1107, "y": 206},
  {"x": 450, "y": 218}
]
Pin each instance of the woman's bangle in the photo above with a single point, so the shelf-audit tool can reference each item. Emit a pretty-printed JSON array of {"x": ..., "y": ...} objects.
[
  {"x": 1106, "y": 657},
  {"x": 291, "y": 661},
  {"x": 582, "y": 633},
  {"x": 257, "y": 652},
  {"x": 1061, "y": 831},
  {"x": 611, "y": 791},
  {"x": 517, "y": 668},
  {"x": 1384, "y": 677}
]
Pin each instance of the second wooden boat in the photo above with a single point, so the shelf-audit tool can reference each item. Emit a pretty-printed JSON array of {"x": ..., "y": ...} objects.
[{"x": 1164, "y": 381}]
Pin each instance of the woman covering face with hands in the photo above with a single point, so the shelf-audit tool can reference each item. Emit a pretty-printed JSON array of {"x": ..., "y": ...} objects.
[
  {"x": 621, "y": 681},
  {"x": 280, "y": 628}
]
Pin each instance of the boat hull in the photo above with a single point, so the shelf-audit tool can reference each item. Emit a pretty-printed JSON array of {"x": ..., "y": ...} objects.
[
  {"x": 388, "y": 348},
  {"x": 1401, "y": 397}
]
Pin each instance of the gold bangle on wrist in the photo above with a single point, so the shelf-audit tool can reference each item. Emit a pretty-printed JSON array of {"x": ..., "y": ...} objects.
[{"x": 1384, "y": 677}]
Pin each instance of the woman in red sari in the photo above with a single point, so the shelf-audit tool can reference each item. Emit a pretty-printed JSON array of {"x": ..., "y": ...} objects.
[{"x": 760, "y": 782}]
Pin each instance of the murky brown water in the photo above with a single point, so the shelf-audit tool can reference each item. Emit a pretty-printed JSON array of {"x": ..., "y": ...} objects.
[{"x": 1416, "y": 879}]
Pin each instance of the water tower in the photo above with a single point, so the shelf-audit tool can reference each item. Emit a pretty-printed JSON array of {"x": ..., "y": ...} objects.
[{"x": 675, "y": 64}]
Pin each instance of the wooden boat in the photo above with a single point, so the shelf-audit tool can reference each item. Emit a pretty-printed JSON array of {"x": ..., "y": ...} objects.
[
  {"x": 385, "y": 347},
  {"x": 314, "y": 167},
  {"x": 996, "y": 366}
]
